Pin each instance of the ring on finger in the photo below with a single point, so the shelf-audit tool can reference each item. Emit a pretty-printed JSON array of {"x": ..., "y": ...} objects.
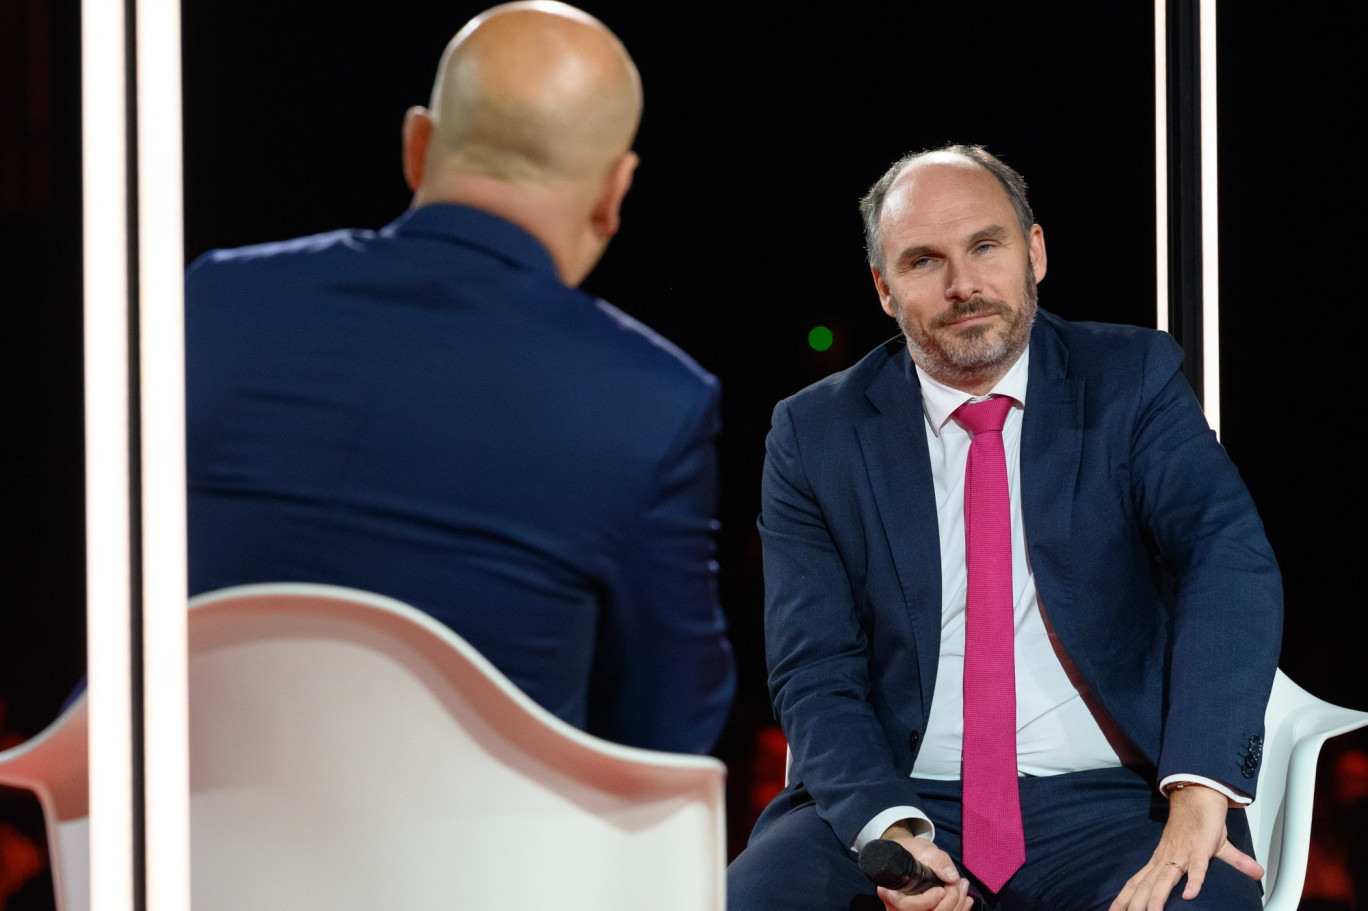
[{"x": 1172, "y": 863}]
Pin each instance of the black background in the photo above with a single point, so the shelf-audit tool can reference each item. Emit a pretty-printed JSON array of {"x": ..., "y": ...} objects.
[{"x": 763, "y": 126}]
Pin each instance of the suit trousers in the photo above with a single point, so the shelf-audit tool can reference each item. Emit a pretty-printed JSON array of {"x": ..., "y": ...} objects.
[{"x": 1086, "y": 834}]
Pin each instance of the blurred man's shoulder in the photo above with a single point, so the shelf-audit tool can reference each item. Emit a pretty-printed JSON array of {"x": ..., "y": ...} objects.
[
  {"x": 642, "y": 341},
  {"x": 281, "y": 252}
]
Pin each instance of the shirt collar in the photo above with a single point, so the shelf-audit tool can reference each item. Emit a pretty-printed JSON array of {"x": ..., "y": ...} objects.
[
  {"x": 475, "y": 228},
  {"x": 939, "y": 401}
]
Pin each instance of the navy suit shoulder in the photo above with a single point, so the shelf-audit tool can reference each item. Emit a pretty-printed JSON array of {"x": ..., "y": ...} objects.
[{"x": 427, "y": 411}]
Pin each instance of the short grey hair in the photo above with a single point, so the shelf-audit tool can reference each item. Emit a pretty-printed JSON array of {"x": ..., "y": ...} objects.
[{"x": 871, "y": 206}]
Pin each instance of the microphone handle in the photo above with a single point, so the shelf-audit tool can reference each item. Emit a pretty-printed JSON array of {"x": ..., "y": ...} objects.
[{"x": 887, "y": 863}]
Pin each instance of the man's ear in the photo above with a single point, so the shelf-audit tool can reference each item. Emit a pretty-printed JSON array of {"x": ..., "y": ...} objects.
[
  {"x": 885, "y": 295},
  {"x": 605, "y": 218},
  {"x": 1037, "y": 248},
  {"x": 417, "y": 135}
]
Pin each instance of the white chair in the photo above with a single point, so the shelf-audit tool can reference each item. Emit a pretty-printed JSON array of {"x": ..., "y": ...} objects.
[
  {"x": 1296, "y": 725},
  {"x": 347, "y": 751},
  {"x": 53, "y": 765}
]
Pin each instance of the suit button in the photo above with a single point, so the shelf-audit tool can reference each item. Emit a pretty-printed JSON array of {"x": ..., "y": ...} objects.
[{"x": 913, "y": 739}]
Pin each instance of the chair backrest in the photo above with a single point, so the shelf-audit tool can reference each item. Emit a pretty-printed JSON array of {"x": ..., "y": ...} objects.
[
  {"x": 1296, "y": 725},
  {"x": 347, "y": 751},
  {"x": 53, "y": 765}
]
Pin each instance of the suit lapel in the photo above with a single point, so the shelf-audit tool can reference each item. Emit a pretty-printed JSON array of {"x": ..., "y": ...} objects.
[
  {"x": 1051, "y": 450},
  {"x": 893, "y": 442}
]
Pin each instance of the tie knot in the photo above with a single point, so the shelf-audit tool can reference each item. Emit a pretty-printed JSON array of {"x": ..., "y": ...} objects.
[{"x": 987, "y": 415}]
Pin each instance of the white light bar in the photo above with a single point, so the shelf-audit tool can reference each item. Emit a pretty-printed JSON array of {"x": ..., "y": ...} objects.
[
  {"x": 1161, "y": 232},
  {"x": 1210, "y": 183},
  {"x": 161, "y": 328},
  {"x": 1211, "y": 251},
  {"x": 108, "y": 598}
]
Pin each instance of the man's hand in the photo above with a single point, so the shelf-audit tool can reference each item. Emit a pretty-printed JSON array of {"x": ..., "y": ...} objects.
[
  {"x": 1194, "y": 833},
  {"x": 953, "y": 896}
]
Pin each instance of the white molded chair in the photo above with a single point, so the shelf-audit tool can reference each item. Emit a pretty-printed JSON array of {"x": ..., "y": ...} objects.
[
  {"x": 1296, "y": 725},
  {"x": 347, "y": 751},
  {"x": 53, "y": 765}
]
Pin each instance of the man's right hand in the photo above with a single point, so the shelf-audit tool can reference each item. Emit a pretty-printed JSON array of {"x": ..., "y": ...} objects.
[{"x": 953, "y": 896}]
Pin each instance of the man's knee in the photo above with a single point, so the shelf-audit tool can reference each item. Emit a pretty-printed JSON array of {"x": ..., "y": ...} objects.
[
  {"x": 795, "y": 863},
  {"x": 1223, "y": 889}
]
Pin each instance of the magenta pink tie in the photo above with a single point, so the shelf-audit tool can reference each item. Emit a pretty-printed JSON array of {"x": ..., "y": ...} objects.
[{"x": 994, "y": 845}]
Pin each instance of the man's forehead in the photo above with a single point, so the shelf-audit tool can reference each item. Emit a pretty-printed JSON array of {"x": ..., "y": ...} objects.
[{"x": 940, "y": 185}]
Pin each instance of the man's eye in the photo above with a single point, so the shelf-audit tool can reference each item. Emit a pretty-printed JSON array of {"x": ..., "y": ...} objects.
[
  {"x": 921, "y": 262},
  {"x": 983, "y": 247}
]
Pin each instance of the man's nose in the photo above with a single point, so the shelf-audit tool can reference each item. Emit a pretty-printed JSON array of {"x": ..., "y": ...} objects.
[{"x": 961, "y": 281}]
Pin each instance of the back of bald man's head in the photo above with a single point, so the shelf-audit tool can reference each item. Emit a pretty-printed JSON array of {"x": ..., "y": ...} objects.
[{"x": 534, "y": 92}]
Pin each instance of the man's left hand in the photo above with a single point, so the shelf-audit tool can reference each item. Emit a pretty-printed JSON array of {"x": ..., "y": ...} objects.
[{"x": 1194, "y": 834}]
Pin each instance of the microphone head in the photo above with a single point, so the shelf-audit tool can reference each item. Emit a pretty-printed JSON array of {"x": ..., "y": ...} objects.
[{"x": 886, "y": 863}]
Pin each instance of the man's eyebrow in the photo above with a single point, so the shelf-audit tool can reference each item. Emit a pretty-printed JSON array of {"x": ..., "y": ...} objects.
[
  {"x": 912, "y": 253},
  {"x": 992, "y": 232}
]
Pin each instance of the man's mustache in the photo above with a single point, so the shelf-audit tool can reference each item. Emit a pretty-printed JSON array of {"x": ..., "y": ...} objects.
[{"x": 974, "y": 306}]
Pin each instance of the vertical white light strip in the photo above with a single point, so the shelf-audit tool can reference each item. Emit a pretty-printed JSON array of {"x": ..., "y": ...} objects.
[
  {"x": 1211, "y": 272},
  {"x": 162, "y": 381},
  {"x": 104, "y": 176},
  {"x": 1161, "y": 241}
]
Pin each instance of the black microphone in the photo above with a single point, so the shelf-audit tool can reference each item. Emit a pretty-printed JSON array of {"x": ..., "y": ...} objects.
[{"x": 887, "y": 863}]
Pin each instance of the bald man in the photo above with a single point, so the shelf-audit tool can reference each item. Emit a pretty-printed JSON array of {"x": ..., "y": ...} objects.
[{"x": 436, "y": 413}]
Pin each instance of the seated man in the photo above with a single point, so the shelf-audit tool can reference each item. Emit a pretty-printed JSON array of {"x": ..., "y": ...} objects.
[
  {"x": 435, "y": 412},
  {"x": 1021, "y": 615}
]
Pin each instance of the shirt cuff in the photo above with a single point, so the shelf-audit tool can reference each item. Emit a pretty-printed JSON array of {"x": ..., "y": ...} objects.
[
  {"x": 1235, "y": 797},
  {"x": 917, "y": 821}
]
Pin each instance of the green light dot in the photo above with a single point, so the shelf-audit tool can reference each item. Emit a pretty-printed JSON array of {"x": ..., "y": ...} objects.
[{"x": 820, "y": 338}]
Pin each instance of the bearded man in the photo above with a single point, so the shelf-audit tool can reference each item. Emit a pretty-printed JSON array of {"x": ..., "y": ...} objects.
[{"x": 1021, "y": 614}]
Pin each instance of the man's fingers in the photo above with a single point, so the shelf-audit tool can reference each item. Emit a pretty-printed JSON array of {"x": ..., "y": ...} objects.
[
  {"x": 926, "y": 901},
  {"x": 1148, "y": 889},
  {"x": 1240, "y": 861},
  {"x": 939, "y": 898},
  {"x": 955, "y": 897},
  {"x": 1231, "y": 855},
  {"x": 1165, "y": 877},
  {"x": 1122, "y": 901},
  {"x": 1135, "y": 890},
  {"x": 932, "y": 857},
  {"x": 1196, "y": 875}
]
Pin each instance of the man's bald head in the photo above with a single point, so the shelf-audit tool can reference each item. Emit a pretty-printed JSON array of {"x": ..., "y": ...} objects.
[
  {"x": 872, "y": 205},
  {"x": 534, "y": 91},
  {"x": 533, "y": 114}
]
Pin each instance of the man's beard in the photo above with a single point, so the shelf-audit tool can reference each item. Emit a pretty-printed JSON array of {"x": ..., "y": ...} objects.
[{"x": 978, "y": 350}]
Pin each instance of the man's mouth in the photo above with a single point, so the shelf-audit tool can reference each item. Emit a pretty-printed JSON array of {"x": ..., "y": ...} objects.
[
  {"x": 969, "y": 316},
  {"x": 972, "y": 318}
]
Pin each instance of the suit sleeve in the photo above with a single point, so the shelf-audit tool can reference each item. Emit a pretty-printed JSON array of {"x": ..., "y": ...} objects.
[
  {"x": 818, "y": 651},
  {"x": 1226, "y": 623},
  {"x": 664, "y": 675}
]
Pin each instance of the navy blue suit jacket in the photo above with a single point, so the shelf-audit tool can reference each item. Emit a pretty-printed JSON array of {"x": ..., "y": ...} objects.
[
  {"x": 429, "y": 413},
  {"x": 1150, "y": 560}
]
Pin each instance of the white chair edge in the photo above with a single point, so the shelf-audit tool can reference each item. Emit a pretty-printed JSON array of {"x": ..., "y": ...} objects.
[
  {"x": 443, "y": 632},
  {"x": 1299, "y": 796}
]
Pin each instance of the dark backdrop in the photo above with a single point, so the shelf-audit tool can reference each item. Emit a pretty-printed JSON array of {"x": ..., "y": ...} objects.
[{"x": 763, "y": 127}]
